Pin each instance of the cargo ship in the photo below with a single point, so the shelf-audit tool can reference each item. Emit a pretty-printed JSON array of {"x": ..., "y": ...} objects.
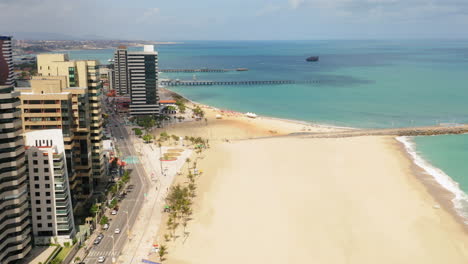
[{"x": 313, "y": 58}]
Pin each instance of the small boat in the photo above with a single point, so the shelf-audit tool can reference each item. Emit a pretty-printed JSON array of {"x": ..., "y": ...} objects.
[
  {"x": 250, "y": 115},
  {"x": 313, "y": 58},
  {"x": 242, "y": 69},
  {"x": 219, "y": 116}
]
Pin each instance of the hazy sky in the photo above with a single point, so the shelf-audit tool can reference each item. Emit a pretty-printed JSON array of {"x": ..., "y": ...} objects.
[{"x": 238, "y": 19}]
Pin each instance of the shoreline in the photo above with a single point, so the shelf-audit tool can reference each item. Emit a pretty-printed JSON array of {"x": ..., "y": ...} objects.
[
  {"x": 439, "y": 184},
  {"x": 423, "y": 171}
]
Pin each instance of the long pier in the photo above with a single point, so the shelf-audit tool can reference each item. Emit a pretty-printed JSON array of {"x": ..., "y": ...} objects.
[
  {"x": 202, "y": 70},
  {"x": 199, "y": 83},
  {"x": 407, "y": 131}
]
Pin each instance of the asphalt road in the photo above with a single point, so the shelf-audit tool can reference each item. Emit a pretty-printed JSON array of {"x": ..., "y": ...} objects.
[{"x": 129, "y": 207}]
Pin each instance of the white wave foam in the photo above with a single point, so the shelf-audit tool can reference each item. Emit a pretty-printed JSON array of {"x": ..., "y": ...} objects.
[{"x": 460, "y": 201}]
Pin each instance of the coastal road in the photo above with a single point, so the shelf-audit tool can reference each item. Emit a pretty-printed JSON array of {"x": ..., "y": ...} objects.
[{"x": 129, "y": 207}]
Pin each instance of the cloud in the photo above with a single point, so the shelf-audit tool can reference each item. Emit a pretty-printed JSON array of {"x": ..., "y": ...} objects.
[
  {"x": 296, "y": 3},
  {"x": 268, "y": 9},
  {"x": 148, "y": 15},
  {"x": 387, "y": 9}
]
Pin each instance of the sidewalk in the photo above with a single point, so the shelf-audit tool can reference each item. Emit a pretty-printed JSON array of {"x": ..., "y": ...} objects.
[{"x": 146, "y": 227}]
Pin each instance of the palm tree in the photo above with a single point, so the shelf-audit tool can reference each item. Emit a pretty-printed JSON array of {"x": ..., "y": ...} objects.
[{"x": 162, "y": 252}]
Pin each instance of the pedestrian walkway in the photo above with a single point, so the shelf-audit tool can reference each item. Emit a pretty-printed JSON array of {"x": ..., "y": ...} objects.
[
  {"x": 96, "y": 253},
  {"x": 146, "y": 227}
]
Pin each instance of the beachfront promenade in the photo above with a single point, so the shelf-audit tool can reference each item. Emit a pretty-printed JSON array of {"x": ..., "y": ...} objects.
[{"x": 407, "y": 131}]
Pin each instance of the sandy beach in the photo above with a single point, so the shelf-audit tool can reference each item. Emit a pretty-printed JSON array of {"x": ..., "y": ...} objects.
[{"x": 267, "y": 199}]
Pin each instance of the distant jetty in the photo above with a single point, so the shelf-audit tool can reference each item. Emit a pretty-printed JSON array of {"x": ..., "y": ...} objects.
[
  {"x": 313, "y": 58},
  {"x": 203, "y": 70},
  {"x": 200, "y": 83}
]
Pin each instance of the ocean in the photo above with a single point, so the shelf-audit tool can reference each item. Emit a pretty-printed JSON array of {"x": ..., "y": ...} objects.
[{"x": 361, "y": 83}]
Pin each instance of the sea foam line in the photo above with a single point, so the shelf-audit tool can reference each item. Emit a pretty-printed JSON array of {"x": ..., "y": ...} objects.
[{"x": 460, "y": 200}]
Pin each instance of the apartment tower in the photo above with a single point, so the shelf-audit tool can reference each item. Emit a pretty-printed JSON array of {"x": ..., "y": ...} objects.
[
  {"x": 81, "y": 74},
  {"x": 51, "y": 205},
  {"x": 6, "y": 61},
  {"x": 143, "y": 69},
  {"x": 15, "y": 230},
  {"x": 119, "y": 76}
]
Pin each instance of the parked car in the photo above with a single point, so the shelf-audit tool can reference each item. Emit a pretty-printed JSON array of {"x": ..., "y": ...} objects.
[
  {"x": 114, "y": 212},
  {"x": 101, "y": 259},
  {"x": 117, "y": 231},
  {"x": 97, "y": 241},
  {"x": 100, "y": 236},
  {"x": 106, "y": 226}
]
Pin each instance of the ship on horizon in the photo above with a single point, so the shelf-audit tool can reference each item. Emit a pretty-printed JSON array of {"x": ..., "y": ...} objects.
[{"x": 313, "y": 58}]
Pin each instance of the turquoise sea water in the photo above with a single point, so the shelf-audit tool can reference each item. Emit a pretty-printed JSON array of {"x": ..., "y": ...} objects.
[{"x": 362, "y": 84}]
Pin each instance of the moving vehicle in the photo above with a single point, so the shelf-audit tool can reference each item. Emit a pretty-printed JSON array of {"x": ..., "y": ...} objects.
[
  {"x": 101, "y": 259},
  {"x": 100, "y": 236},
  {"x": 114, "y": 212},
  {"x": 117, "y": 231}
]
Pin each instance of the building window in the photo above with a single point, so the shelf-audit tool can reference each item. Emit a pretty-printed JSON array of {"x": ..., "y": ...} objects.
[
  {"x": 35, "y": 162},
  {"x": 36, "y": 186},
  {"x": 46, "y": 169},
  {"x": 47, "y": 194},
  {"x": 49, "y": 217},
  {"x": 47, "y": 185},
  {"x": 34, "y": 154},
  {"x": 39, "y": 225},
  {"x": 49, "y": 209},
  {"x": 36, "y": 178},
  {"x": 38, "y": 201},
  {"x": 36, "y": 170},
  {"x": 39, "y": 217},
  {"x": 47, "y": 178},
  {"x": 48, "y": 201},
  {"x": 38, "y": 210},
  {"x": 37, "y": 194},
  {"x": 46, "y": 161},
  {"x": 49, "y": 224}
]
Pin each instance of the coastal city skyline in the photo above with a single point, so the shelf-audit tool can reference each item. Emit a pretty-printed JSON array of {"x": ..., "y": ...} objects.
[
  {"x": 236, "y": 20},
  {"x": 206, "y": 132}
]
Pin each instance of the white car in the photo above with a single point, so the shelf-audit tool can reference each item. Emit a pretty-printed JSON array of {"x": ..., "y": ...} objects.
[
  {"x": 106, "y": 226},
  {"x": 101, "y": 259},
  {"x": 114, "y": 212},
  {"x": 117, "y": 231}
]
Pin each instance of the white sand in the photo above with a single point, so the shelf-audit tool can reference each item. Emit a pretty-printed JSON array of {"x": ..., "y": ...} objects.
[{"x": 330, "y": 201}]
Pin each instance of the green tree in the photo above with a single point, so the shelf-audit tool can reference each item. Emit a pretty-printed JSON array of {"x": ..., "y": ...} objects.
[
  {"x": 162, "y": 252},
  {"x": 180, "y": 104},
  {"x": 104, "y": 220},
  {"x": 138, "y": 132},
  {"x": 94, "y": 209},
  {"x": 56, "y": 261},
  {"x": 147, "y": 138},
  {"x": 113, "y": 203},
  {"x": 77, "y": 259}
]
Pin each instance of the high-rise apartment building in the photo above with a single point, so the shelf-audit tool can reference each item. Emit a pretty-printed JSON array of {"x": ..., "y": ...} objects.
[
  {"x": 143, "y": 70},
  {"x": 49, "y": 104},
  {"x": 119, "y": 77},
  {"x": 81, "y": 73},
  {"x": 6, "y": 61},
  {"x": 15, "y": 230},
  {"x": 51, "y": 205},
  {"x": 136, "y": 73}
]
